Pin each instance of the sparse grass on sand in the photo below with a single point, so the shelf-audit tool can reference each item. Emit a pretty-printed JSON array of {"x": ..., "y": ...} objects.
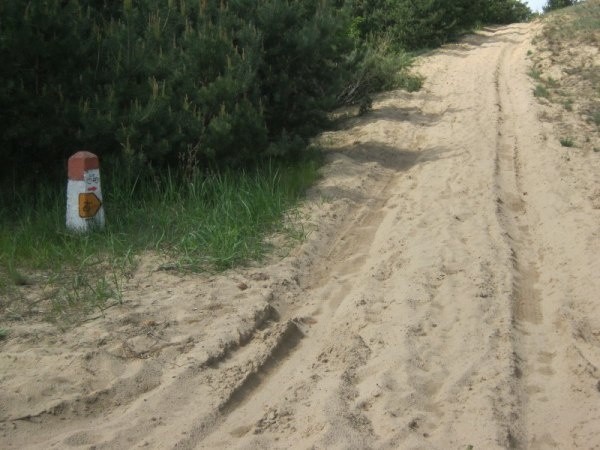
[
  {"x": 541, "y": 91},
  {"x": 571, "y": 36}
]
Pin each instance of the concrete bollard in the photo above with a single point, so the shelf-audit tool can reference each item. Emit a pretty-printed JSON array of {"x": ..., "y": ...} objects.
[{"x": 84, "y": 195}]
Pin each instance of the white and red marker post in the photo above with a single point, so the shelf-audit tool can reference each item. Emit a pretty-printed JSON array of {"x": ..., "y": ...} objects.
[{"x": 84, "y": 195}]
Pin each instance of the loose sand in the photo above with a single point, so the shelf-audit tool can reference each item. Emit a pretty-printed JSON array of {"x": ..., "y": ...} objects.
[{"x": 447, "y": 296}]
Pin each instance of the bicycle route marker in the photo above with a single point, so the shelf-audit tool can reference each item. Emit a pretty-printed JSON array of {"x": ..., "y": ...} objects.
[
  {"x": 84, "y": 194},
  {"x": 89, "y": 205}
]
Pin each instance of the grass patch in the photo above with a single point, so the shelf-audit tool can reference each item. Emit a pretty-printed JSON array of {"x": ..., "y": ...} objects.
[
  {"x": 568, "y": 104},
  {"x": 411, "y": 82},
  {"x": 576, "y": 26},
  {"x": 571, "y": 36},
  {"x": 535, "y": 74},
  {"x": 203, "y": 221},
  {"x": 567, "y": 142},
  {"x": 581, "y": 22},
  {"x": 552, "y": 82},
  {"x": 541, "y": 91}
]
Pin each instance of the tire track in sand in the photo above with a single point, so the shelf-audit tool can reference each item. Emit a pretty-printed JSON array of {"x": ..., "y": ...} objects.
[
  {"x": 329, "y": 281},
  {"x": 412, "y": 342},
  {"x": 535, "y": 337},
  {"x": 512, "y": 215}
]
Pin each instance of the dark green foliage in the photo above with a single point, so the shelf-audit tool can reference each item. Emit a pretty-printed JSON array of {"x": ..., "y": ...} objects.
[
  {"x": 506, "y": 11},
  {"x": 557, "y": 4},
  {"x": 152, "y": 80},
  {"x": 224, "y": 82},
  {"x": 429, "y": 23},
  {"x": 302, "y": 68}
]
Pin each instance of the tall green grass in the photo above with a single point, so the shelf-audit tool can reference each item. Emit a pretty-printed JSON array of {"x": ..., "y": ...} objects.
[{"x": 200, "y": 221}]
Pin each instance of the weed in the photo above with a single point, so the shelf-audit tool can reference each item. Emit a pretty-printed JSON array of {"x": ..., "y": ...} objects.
[
  {"x": 86, "y": 293},
  {"x": 567, "y": 142},
  {"x": 411, "y": 82},
  {"x": 541, "y": 91},
  {"x": 596, "y": 117},
  {"x": 568, "y": 104},
  {"x": 3, "y": 334},
  {"x": 551, "y": 82},
  {"x": 535, "y": 74}
]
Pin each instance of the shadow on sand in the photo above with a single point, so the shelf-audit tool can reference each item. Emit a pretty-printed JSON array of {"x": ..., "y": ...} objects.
[{"x": 390, "y": 157}]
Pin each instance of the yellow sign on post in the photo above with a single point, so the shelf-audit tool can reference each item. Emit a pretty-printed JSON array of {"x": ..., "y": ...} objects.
[{"x": 89, "y": 205}]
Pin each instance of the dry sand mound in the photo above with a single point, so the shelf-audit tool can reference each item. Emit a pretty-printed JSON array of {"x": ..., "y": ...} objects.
[{"x": 447, "y": 297}]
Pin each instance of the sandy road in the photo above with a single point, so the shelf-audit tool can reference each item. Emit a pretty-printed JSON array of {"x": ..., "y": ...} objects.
[
  {"x": 448, "y": 297},
  {"x": 433, "y": 320}
]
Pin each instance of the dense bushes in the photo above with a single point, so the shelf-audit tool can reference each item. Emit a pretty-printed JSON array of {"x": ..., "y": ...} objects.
[
  {"x": 212, "y": 82},
  {"x": 428, "y": 23},
  {"x": 505, "y": 11},
  {"x": 217, "y": 81}
]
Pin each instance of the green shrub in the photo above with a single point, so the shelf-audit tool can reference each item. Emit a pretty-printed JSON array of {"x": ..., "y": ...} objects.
[
  {"x": 567, "y": 142},
  {"x": 429, "y": 23},
  {"x": 147, "y": 82},
  {"x": 536, "y": 74},
  {"x": 227, "y": 81},
  {"x": 377, "y": 67},
  {"x": 151, "y": 81},
  {"x": 505, "y": 11}
]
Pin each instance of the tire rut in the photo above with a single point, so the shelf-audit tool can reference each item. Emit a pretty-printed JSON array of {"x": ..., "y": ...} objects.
[
  {"x": 327, "y": 285},
  {"x": 515, "y": 218}
]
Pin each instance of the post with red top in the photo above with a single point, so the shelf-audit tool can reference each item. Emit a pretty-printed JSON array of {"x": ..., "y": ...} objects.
[{"x": 84, "y": 196}]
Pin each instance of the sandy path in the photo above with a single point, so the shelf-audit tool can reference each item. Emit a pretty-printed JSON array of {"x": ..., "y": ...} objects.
[{"x": 447, "y": 299}]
